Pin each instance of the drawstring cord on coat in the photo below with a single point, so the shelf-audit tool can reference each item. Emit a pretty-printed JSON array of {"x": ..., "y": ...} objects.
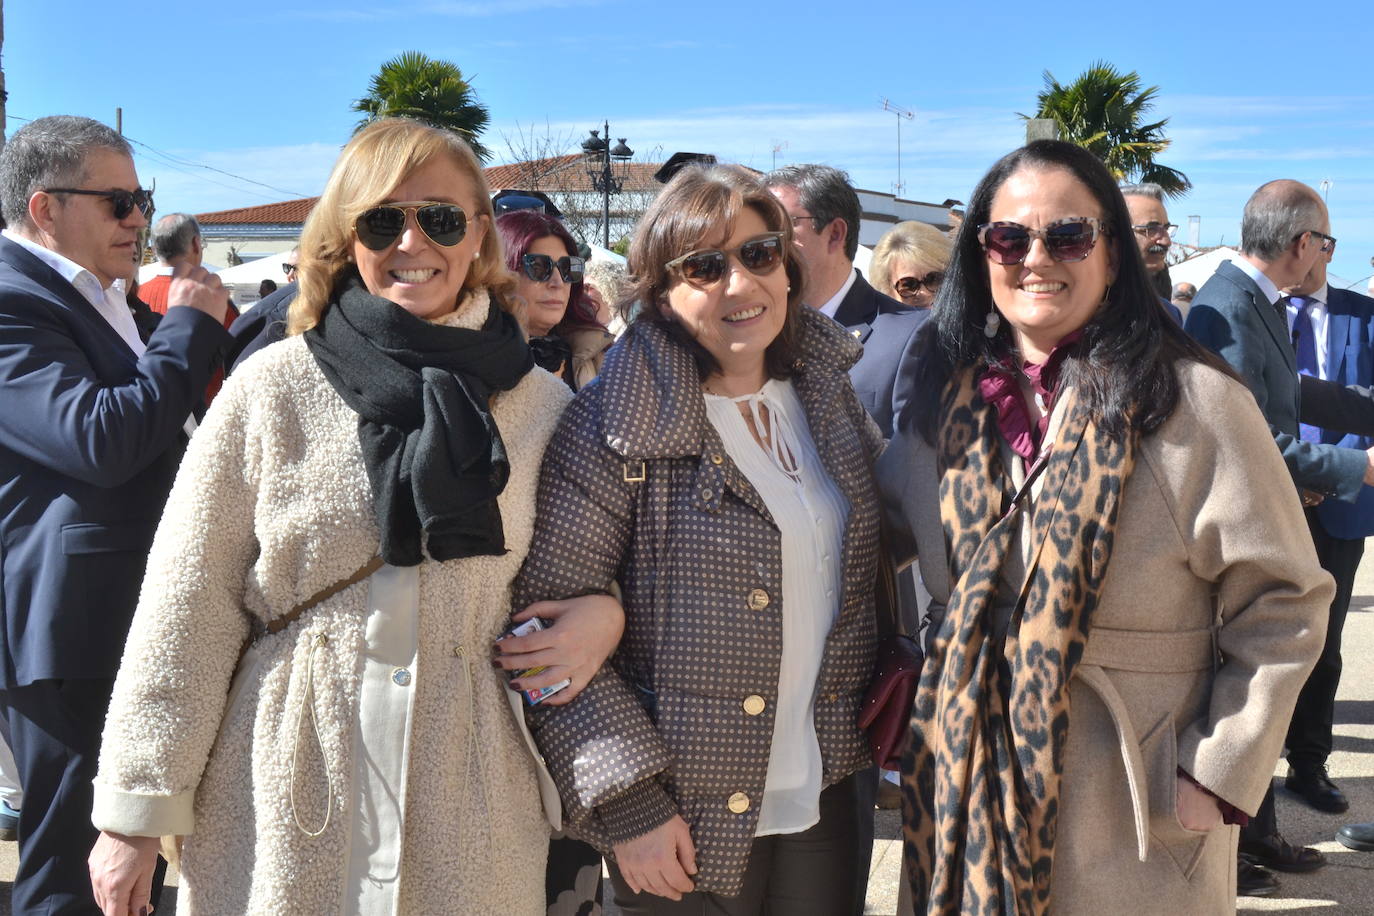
[
  {"x": 308, "y": 700},
  {"x": 474, "y": 748}
]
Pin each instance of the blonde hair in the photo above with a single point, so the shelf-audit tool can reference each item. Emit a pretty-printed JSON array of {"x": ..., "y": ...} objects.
[
  {"x": 376, "y": 160},
  {"x": 925, "y": 246}
]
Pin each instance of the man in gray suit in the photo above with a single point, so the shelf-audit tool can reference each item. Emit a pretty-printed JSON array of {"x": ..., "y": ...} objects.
[{"x": 1239, "y": 313}]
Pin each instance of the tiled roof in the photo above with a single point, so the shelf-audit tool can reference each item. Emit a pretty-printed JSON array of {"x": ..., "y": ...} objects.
[
  {"x": 288, "y": 211},
  {"x": 567, "y": 173},
  {"x": 560, "y": 173}
]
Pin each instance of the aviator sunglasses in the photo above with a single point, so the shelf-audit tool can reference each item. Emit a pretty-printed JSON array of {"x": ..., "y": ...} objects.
[
  {"x": 380, "y": 227},
  {"x": 1070, "y": 239},
  {"x": 540, "y": 267},
  {"x": 705, "y": 266},
  {"x": 124, "y": 201}
]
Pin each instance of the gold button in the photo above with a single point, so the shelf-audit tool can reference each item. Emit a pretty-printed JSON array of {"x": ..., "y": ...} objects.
[
  {"x": 717, "y": 458},
  {"x": 706, "y": 493},
  {"x": 833, "y": 697},
  {"x": 758, "y": 599},
  {"x": 738, "y": 803},
  {"x": 753, "y": 705}
]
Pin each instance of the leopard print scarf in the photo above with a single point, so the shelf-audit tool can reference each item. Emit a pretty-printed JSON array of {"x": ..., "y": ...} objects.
[{"x": 981, "y": 777}]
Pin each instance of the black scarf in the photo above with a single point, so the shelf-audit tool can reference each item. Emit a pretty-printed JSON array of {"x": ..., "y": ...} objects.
[
  {"x": 551, "y": 353},
  {"x": 433, "y": 453}
]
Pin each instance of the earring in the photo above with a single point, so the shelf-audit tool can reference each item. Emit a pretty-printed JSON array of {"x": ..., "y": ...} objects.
[
  {"x": 477, "y": 254},
  {"x": 992, "y": 324}
]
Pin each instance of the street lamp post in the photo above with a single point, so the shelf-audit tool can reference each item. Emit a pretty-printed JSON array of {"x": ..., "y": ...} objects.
[{"x": 599, "y": 154}]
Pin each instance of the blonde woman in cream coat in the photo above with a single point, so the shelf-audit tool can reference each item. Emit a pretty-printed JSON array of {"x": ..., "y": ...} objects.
[{"x": 365, "y": 758}]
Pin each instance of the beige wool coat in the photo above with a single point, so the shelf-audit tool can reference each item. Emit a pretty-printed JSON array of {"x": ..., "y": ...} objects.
[
  {"x": 272, "y": 505},
  {"x": 1212, "y": 613}
]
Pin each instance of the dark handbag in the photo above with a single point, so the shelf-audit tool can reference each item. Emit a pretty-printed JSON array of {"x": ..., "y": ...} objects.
[{"x": 886, "y": 710}]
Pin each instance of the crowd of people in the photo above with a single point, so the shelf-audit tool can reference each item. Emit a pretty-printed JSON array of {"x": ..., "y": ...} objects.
[{"x": 489, "y": 566}]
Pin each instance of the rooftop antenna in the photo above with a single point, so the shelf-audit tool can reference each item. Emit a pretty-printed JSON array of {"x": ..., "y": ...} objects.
[
  {"x": 902, "y": 114},
  {"x": 778, "y": 146}
]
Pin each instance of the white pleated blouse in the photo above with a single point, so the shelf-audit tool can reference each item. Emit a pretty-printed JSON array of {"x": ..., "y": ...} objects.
[{"x": 810, "y": 513}]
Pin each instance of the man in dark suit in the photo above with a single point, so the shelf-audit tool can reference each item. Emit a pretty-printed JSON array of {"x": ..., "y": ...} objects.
[
  {"x": 1333, "y": 338},
  {"x": 825, "y": 227},
  {"x": 93, "y": 424},
  {"x": 1239, "y": 314}
]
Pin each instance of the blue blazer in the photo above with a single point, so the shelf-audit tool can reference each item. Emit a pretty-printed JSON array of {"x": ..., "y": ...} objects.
[
  {"x": 1231, "y": 316},
  {"x": 1350, "y": 361},
  {"x": 884, "y": 326},
  {"x": 90, "y": 437}
]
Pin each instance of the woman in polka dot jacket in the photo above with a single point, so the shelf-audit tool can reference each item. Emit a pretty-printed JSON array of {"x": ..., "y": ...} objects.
[{"x": 720, "y": 470}]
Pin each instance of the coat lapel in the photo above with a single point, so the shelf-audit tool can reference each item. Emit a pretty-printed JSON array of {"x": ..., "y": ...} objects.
[
  {"x": 57, "y": 286},
  {"x": 1274, "y": 324},
  {"x": 1342, "y": 335}
]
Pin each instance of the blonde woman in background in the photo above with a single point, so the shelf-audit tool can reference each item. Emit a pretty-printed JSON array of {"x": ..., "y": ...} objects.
[{"x": 909, "y": 263}]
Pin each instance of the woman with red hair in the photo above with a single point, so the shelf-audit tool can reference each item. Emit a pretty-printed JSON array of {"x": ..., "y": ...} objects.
[{"x": 566, "y": 337}]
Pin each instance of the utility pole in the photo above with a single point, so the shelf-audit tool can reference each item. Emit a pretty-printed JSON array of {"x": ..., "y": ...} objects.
[
  {"x": 3, "y": 127},
  {"x": 902, "y": 114},
  {"x": 119, "y": 121}
]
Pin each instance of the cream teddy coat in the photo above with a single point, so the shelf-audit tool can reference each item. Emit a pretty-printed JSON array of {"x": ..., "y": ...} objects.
[{"x": 272, "y": 505}]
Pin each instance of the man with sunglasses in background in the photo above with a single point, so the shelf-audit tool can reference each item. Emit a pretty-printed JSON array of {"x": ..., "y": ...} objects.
[
  {"x": 825, "y": 216},
  {"x": 93, "y": 423},
  {"x": 1241, "y": 314},
  {"x": 1153, "y": 236}
]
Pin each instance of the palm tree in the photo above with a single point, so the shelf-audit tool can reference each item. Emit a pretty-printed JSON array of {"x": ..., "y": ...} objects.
[
  {"x": 412, "y": 85},
  {"x": 1102, "y": 111}
]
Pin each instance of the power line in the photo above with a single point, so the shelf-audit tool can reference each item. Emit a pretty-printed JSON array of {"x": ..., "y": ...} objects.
[
  {"x": 201, "y": 165},
  {"x": 170, "y": 160}
]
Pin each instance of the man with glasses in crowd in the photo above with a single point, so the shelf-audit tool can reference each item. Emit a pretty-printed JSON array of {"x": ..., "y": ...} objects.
[
  {"x": 1153, "y": 235},
  {"x": 1241, "y": 314},
  {"x": 94, "y": 421},
  {"x": 1333, "y": 338},
  {"x": 825, "y": 216}
]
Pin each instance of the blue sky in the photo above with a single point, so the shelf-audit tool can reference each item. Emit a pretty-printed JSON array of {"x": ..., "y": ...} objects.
[{"x": 263, "y": 89}]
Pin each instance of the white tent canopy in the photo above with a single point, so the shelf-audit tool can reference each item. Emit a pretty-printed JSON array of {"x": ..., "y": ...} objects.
[
  {"x": 244, "y": 278},
  {"x": 1198, "y": 269}
]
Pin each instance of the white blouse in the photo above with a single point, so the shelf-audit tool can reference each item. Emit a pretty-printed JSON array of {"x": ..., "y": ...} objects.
[{"x": 810, "y": 513}]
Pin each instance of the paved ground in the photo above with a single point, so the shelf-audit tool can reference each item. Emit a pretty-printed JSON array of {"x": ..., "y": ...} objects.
[{"x": 1345, "y": 886}]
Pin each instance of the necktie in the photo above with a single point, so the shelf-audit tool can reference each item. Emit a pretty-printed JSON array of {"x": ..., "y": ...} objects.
[{"x": 1305, "y": 348}]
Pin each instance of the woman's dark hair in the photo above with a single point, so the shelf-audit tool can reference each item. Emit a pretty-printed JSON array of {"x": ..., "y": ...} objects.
[
  {"x": 519, "y": 230},
  {"x": 697, "y": 208},
  {"x": 1123, "y": 367}
]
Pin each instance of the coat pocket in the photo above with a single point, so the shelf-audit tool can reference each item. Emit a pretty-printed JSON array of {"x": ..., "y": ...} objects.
[{"x": 1159, "y": 752}]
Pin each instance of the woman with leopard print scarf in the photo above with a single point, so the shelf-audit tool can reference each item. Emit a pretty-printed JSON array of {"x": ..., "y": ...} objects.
[{"x": 1126, "y": 601}]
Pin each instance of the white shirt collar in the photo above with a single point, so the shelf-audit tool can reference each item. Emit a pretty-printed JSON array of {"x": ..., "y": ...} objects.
[
  {"x": 833, "y": 304},
  {"x": 65, "y": 266},
  {"x": 1271, "y": 292},
  {"x": 107, "y": 300},
  {"x": 1317, "y": 301}
]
